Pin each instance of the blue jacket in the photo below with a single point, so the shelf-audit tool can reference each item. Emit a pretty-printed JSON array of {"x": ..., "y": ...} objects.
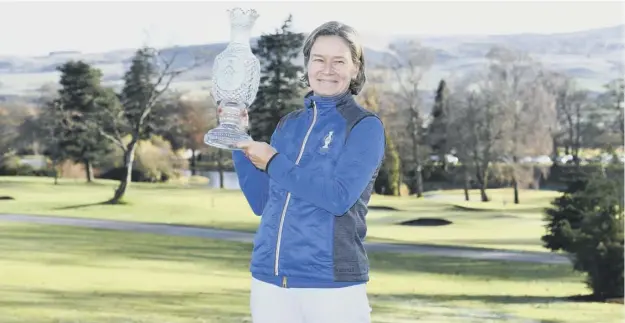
[{"x": 313, "y": 195}]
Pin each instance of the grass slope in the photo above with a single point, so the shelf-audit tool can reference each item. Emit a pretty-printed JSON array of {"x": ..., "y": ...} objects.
[
  {"x": 63, "y": 274},
  {"x": 498, "y": 224}
]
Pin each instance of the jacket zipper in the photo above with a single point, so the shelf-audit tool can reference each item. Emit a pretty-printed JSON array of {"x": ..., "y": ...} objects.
[{"x": 288, "y": 195}]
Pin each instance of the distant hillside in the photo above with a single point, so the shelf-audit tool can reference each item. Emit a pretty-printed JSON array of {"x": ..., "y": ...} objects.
[{"x": 594, "y": 57}]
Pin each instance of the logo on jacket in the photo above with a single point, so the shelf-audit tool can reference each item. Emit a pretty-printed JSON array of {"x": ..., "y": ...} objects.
[{"x": 327, "y": 140}]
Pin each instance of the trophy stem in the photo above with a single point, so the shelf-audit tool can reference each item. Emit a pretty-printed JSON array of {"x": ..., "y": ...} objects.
[
  {"x": 231, "y": 113},
  {"x": 230, "y": 130}
]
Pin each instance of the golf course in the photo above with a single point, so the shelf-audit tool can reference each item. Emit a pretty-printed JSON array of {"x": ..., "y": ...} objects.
[{"x": 74, "y": 273}]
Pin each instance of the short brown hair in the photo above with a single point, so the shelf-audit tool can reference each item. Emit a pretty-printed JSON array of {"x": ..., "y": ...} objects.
[{"x": 349, "y": 34}]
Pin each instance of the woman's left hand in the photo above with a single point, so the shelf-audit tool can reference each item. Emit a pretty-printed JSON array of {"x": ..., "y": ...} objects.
[{"x": 258, "y": 152}]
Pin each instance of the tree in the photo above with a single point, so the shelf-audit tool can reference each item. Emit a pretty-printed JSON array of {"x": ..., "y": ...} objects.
[
  {"x": 127, "y": 118},
  {"x": 52, "y": 125},
  {"x": 31, "y": 137},
  {"x": 185, "y": 123},
  {"x": 388, "y": 181},
  {"x": 28, "y": 139},
  {"x": 574, "y": 107},
  {"x": 8, "y": 134},
  {"x": 587, "y": 222},
  {"x": 409, "y": 62},
  {"x": 439, "y": 126},
  {"x": 515, "y": 82},
  {"x": 279, "y": 89},
  {"x": 613, "y": 104},
  {"x": 591, "y": 120},
  {"x": 616, "y": 88},
  {"x": 458, "y": 127},
  {"x": 572, "y": 110},
  {"x": 80, "y": 87},
  {"x": 478, "y": 126}
]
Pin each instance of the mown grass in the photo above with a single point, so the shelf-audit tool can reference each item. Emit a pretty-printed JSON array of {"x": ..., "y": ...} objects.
[
  {"x": 494, "y": 224},
  {"x": 66, "y": 274}
]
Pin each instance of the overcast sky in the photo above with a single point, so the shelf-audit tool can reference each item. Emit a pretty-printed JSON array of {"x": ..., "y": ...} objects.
[{"x": 35, "y": 28}]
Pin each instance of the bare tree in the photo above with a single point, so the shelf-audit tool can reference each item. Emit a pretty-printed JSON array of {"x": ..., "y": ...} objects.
[
  {"x": 185, "y": 121},
  {"x": 615, "y": 103},
  {"x": 459, "y": 125},
  {"x": 408, "y": 63},
  {"x": 478, "y": 125},
  {"x": 127, "y": 120},
  {"x": 572, "y": 109},
  {"x": 12, "y": 116},
  {"x": 514, "y": 77},
  {"x": 551, "y": 83},
  {"x": 7, "y": 134}
]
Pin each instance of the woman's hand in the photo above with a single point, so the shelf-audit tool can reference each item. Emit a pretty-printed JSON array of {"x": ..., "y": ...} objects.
[{"x": 258, "y": 152}]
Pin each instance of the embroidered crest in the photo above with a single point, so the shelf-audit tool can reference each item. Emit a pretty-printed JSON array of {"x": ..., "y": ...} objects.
[{"x": 327, "y": 140}]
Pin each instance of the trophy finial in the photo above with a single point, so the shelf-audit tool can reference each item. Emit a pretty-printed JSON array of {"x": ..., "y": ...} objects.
[{"x": 243, "y": 18}]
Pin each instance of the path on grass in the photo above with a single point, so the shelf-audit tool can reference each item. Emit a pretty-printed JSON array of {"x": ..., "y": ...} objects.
[{"x": 190, "y": 231}]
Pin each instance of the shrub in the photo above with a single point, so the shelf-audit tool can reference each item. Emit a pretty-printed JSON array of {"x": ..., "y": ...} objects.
[
  {"x": 157, "y": 161},
  {"x": 154, "y": 162},
  {"x": 404, "y": 190},
  {"x": 587, "y": 222},
  {"x": 12, "y": 166}
]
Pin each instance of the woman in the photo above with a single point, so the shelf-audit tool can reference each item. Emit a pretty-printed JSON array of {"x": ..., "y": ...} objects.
[{"x": 312, "y": 186}]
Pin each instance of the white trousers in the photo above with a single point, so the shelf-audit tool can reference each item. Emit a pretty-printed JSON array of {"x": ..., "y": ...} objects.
[{"x": 273, "y": 304}]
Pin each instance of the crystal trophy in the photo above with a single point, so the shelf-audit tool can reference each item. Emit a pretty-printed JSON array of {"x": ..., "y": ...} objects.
[{"x": 236, "y": 77}]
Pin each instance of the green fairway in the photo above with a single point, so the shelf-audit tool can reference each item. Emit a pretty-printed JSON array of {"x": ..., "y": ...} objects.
[
  {"x": 496, "y": 224},
  {"x": 159, "y": 203},
  {"x": 64, "y": 274}
]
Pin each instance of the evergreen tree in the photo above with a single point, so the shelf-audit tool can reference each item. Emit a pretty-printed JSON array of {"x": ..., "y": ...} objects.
[
  {"x": 80, "y": 89},
  {"x": 388, "y": 180},
  {"x": 437, "y": 131},
  {"x": 279, "y": 90},
  {"x": 587, "y": 222}
]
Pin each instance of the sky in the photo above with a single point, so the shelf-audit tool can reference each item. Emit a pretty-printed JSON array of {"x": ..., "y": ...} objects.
[{"x": 37, "y": 28}]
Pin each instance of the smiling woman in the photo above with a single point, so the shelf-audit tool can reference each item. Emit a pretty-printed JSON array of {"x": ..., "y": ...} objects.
[
  {"x": 311, "y": 187},
  {"x": 334, "y": 60}
]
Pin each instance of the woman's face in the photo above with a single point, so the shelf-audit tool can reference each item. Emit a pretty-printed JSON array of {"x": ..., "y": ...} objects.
[{"x": 330, "y": 67}]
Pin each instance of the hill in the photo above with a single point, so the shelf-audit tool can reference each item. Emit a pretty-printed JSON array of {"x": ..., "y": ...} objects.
[{"x": 593, "y": 57}]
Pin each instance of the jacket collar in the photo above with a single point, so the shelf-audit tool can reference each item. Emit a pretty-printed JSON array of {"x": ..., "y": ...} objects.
[{"x": 327, "y": 102}]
